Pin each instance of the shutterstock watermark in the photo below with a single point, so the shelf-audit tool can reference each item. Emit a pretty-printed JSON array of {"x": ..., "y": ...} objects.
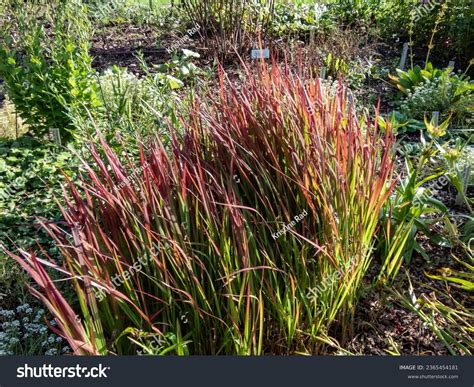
[
  {"x": 48, "y": 371},
  {"x": 119, "y": 279},
  {"x": 327, "y": 283},
  {"x": 156, "y": 344},
  {"x": 426, "y": 6}
]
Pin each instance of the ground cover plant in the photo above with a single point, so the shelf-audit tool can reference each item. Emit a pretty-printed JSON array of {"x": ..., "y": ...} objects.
[{"x": 164, "y": 190}]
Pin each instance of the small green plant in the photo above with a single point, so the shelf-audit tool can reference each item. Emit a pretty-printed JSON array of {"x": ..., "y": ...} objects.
[
  {"x": 413, "y": 209},
  {"x": 449, "y": 316},
  {"x": 48, "y": 73},
  {"x": 450, "y": 95},
  {"x": 458, "y": 165},
  {"x": 141, "y": 107},
  {"x": 299, "y": 20},
  {"x": 31, "y": 174},
  {"x": 24, "y": 332},
  {"x": 406, "y": 81}
]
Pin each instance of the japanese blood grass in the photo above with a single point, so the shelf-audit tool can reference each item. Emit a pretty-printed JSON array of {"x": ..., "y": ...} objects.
[{"x": 220, "y": 280}]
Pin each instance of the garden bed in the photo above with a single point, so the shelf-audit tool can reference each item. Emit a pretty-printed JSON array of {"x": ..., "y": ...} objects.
[{"x": 163, "y": 192}]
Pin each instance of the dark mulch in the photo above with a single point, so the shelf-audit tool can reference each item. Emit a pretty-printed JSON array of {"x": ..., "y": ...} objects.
[{"x": 120, "y": 44}]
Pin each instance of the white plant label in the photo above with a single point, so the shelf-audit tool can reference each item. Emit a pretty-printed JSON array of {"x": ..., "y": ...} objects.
[
  {"x": 403, "y": 59},
  {"x": 55, "y": 135},
  {"x": 322, "y": 73},
  {"x": 258, "y": 54}
]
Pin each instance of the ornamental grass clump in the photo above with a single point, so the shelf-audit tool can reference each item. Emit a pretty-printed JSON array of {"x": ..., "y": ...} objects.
[{"x": 277, "y": 152}]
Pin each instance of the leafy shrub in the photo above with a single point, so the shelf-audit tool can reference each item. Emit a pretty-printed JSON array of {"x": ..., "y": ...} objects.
[
  {"x": 293, "y": 19},
  {"x": 251, "y": 236},
  {"x": 406, "y": 81},
  {"x": 377, "y": 16},
  {"x": 140, "y": 107},
  {"x": 13, "y": 282},
  {"x": 428, "y": 89},
  {"x": 30, "y": 178},
  {"x": 408, "y": 214},
  {"x": 450, "y": 95},
  {"x": 24, "y": 332},
  {"x": 47, "y": 73},
  {"x": 414, "y": 207},
  {"x": 395, "y": 20}
]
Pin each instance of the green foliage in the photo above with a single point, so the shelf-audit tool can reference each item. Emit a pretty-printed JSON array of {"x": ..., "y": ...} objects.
[
  {"x": 451, "y": 95},
  {"x": 292, "y": 19},
  {"x": 468, "y": 235},
  {"x": 409, "y": 213},
  {"x": 30, "y": 177},
  {"x": 428, "y": 89},
  {"x": 389, "y": 19},
  {"x": 48, "y": 73},
  {"x": 377, "y": 16},
  {"x": 132, "y": 12},
  {"x": 401, "y": 123},
  {"x": 406, "y": 81},
  {"x": 12, "y": 283},
  {"x": 458, "y": 166},
  {"x": 24, "y": 332},
  {"x": 136, "y": 108},
  {"x": 414, "y": 209}
]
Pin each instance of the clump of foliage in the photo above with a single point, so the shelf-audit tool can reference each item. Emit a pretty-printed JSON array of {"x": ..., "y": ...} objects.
[
  {"x": 376, "y": 16},
  {"x": 292, "y": 19},
  {"x": 135, "y": 108},
  {"x": 30, "y": 176},
  {"x": 392, "y": 20},
  {"x": 24, "y": 332},
  {"x": 414, "y": 208},
  {"x": 258, "y": 225},
  {"x": 449, "y": 94},
  {"x": 48, "y": 73},
  {"x": 428, "y": 89},
  {"x": 131, "y": 11}
]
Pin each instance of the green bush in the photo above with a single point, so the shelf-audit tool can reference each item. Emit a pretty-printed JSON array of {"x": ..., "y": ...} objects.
[
  {"x": 48, "y": 73},
  {"x": 299, "y": 19},
  {"x": 30, "y": 178},
  {"x": 108, "y": 12},
  {"x": 450, "y": 94},
  {"x": 137, "y": 108}
]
